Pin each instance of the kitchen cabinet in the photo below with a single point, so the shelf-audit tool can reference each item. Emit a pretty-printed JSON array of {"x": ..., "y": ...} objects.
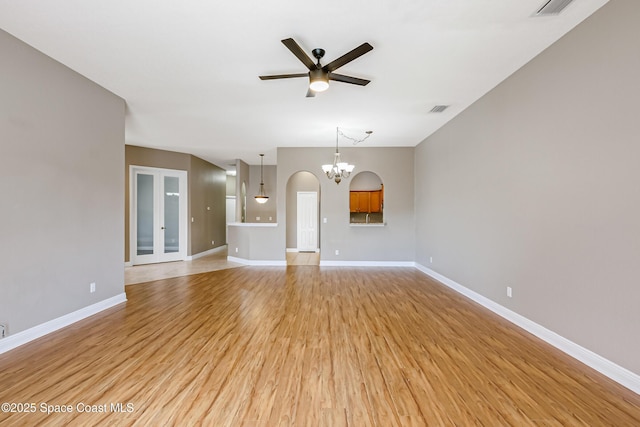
[{"x": 366, "y": 201}]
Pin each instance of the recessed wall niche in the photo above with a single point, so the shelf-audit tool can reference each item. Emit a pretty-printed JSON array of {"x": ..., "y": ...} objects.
[{"x": 366, "y": 199}]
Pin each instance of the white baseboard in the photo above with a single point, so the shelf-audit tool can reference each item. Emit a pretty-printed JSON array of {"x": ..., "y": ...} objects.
[
  {"x": 23, "y": 337},
  {"x": 205, "y": 253},
  {"x": 329, "y": 263},
  {"x": 128, "y": 264},
  {"x": 274, "y": 263},
  {"x": 606, "y": 367}
]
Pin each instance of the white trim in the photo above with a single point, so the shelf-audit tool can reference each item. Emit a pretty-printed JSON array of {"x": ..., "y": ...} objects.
[
  {"x": 128, "y": 264},
  {"x": 23, "y": 337},
  {"x": 205, "y": 253},
  {"x": 606, "y": 367},
  {"x": 292, "y": 250},
  {"x": 330, "y": 263},
  {"x": 252, "y": 224},
  {"x": 371, "y": 224},
  {"x": 274, "y": 263}
]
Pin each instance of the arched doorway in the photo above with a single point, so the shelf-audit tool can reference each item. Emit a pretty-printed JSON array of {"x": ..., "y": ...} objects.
[{"x": 303, "y": 219}]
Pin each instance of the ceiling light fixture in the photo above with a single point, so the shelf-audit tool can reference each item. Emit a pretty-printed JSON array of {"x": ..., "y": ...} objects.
[
  {"x": 261, "y": 198},
  {"x": 318, "y": 80},
  {"x": 338, "y": 169}
]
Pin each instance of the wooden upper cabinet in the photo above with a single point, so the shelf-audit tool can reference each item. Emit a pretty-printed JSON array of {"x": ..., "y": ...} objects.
[
  {"x": 375, "y": 201},
  {"x": 365, "y": 201},
  {"x": 353, "y": 201}
]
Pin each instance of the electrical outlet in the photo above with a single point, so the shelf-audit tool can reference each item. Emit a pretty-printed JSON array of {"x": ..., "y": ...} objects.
[
  {"x": 213, "y": 242},
  {"x": 4, "y": 330},
  {"x": 430, "y": 260},
  {"x": 257, "y": 218},
  {"x": 324, "y": 220},
  {"x": 236, "y": 250},
  {"x": 92, "y": 287},
  {"x": 337, "y": 252},
  {"x": 509, "y": 293},
  {"x": 270, "y": 218}
]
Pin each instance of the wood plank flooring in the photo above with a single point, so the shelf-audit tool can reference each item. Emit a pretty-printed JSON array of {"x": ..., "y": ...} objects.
[{"x": 304, "y": 346}]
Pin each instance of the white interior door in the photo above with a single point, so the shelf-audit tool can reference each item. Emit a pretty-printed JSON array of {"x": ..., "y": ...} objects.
[
  {"x": 158, "y": 219},
  {"x": 307, "y": 221}
]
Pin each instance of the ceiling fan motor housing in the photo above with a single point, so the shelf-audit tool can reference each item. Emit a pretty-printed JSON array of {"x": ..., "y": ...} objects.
[{"x": 318, "y": 53}]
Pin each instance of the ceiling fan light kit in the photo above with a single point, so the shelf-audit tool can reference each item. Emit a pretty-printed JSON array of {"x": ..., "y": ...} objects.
[
  {"x": 318, "y": 74},
  {"x": 318, "y": 81}
]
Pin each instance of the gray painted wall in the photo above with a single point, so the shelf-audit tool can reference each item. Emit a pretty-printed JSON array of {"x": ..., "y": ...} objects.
[
  {"x": 231, "y": 190},
  {"x": 365, "y": 181},
  {"x": 535, "y": 186},
  {"x": 207, "y": 205},
  {"x": 253, "y": 241},
  {"x": 395, "y": 241},
  {"x": 62, "y": 151}
]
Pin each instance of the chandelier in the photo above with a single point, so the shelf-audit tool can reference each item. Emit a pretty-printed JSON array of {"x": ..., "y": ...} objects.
[
  {"x": 261, "y": 197},
  {"x": 338, "y": 169}
]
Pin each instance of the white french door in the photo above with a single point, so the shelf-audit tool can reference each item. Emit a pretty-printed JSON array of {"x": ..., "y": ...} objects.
[
  {"x": 158, "y": 218},
  {"x": 307, "y": 221}
]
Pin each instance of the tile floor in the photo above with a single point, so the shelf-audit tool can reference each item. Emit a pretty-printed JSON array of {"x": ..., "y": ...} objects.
[{"x": 217, "y": 261}]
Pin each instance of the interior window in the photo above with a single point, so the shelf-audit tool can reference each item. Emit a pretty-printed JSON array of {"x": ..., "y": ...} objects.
[{"x": 366, "y": 198}]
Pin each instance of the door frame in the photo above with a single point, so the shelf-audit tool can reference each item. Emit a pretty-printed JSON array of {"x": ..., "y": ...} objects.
[{"x": 158, "y": 173}]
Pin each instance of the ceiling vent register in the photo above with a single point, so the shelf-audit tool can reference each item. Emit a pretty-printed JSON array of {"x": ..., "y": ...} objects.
[
  {"x": 439, "y": 108},
  {"x": 552, "y": 7}
]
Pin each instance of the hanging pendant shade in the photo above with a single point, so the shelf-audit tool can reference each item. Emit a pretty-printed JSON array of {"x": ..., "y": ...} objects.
[{"x": 261, "y": 197}]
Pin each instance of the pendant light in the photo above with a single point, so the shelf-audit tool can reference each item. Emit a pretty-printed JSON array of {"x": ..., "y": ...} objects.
[
  {"x": 261, "y": 197},
  {"x": 338, "y": 169}
]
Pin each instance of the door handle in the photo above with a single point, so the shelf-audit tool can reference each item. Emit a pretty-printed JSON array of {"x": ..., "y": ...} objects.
[{"x": 161, "y": 228}]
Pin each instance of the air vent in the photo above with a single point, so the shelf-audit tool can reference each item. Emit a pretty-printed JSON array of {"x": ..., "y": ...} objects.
[
  {"x": 439, "y": 108},
  {"x": 552, "y": 7}
]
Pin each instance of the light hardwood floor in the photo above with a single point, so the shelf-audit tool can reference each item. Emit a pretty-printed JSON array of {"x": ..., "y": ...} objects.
[{"x": 305, "y": 346}]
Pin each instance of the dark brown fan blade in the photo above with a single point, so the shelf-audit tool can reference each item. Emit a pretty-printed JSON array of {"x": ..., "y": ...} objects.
[
  {"x": 348, "y": 57},
  {"x": 310, "y": 93},
  {"x": 348, "y": 79},
  {"x": 283, "y": 76},
  {"x": 299, "y": 53}
]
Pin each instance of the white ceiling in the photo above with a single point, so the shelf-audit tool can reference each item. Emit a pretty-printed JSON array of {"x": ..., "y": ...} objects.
[{"x": 188, "y": 70}]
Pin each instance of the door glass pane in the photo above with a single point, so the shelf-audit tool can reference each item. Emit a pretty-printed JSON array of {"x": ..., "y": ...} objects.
[
  {"x": 171, "y": 214},
  {"x": 144, "y": 213}
]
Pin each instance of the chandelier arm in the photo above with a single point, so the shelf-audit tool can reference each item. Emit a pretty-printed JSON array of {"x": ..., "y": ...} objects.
[{"x": 339, "y": 169}]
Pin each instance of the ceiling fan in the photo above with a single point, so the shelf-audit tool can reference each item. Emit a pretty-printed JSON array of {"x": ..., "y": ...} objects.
[{"x": 320, "y": 75}]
